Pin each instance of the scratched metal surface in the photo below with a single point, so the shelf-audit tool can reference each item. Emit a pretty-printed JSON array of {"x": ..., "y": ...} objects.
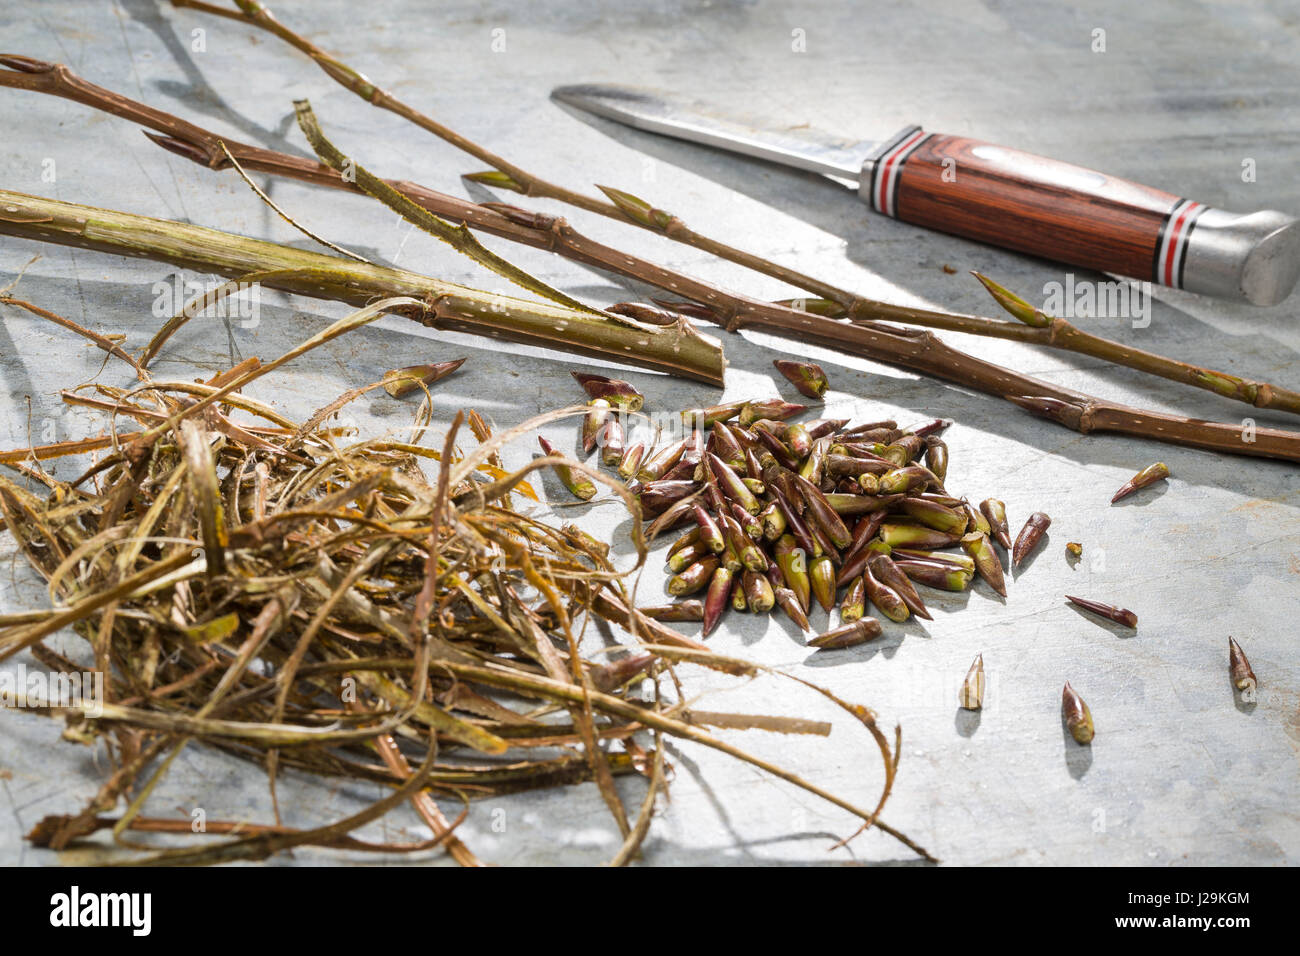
[{"x": 1179, "y": 772}]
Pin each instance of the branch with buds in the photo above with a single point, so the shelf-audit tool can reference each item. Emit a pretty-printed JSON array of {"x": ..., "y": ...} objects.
[
  {"x": 913, "y": 349},
  {"x": 677, "y": 349},
  {"x": 1041, "y": 329}
]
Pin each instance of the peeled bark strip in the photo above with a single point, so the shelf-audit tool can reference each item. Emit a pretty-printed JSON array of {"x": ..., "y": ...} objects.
[{"x": 676, "y": 349}]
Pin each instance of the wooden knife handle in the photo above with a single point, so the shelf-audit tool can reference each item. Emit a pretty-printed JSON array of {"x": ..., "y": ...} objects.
[{"x": 1032, "y": 204}]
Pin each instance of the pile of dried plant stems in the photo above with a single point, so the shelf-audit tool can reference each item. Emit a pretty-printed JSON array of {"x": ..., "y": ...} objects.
[
  {"x": 267, "y": 589},
  {"x": 863, "y": 333}
]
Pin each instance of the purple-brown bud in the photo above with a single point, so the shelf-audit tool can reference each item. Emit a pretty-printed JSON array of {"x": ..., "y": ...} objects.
[
  {"x": 615, "y": 391},
  {"x": 403, "y": 381},
  {"x": 1147, "y": 476},
  {"x": 1029, "y": 537},
  {"x": 848, "y": 635},
  {"x": 807, "y": 377},
  {"x": 1078, "y": 718},
  {"x": 986, "y": 560},
  {"x": 1119, "y": 615}
]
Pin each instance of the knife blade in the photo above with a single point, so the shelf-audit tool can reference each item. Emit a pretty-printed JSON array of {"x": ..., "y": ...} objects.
[{"x": 1000, "y": 196}]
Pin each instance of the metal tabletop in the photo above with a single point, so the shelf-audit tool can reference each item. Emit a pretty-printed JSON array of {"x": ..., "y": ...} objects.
[{"x": 1181, "y": 97}]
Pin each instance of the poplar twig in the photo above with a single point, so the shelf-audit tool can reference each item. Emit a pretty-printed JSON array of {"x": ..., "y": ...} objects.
[
  {"x": 913, "y": 349},
  {"x": 677, "y": 349},
  {"x": 1036, "y": 327}
]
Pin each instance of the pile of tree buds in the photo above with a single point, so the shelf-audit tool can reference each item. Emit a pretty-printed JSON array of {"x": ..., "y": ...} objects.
[{"x": 826, "y": 513}]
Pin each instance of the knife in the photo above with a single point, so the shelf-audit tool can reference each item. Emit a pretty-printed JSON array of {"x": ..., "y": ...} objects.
[{"x": 1002, "y": 196}]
